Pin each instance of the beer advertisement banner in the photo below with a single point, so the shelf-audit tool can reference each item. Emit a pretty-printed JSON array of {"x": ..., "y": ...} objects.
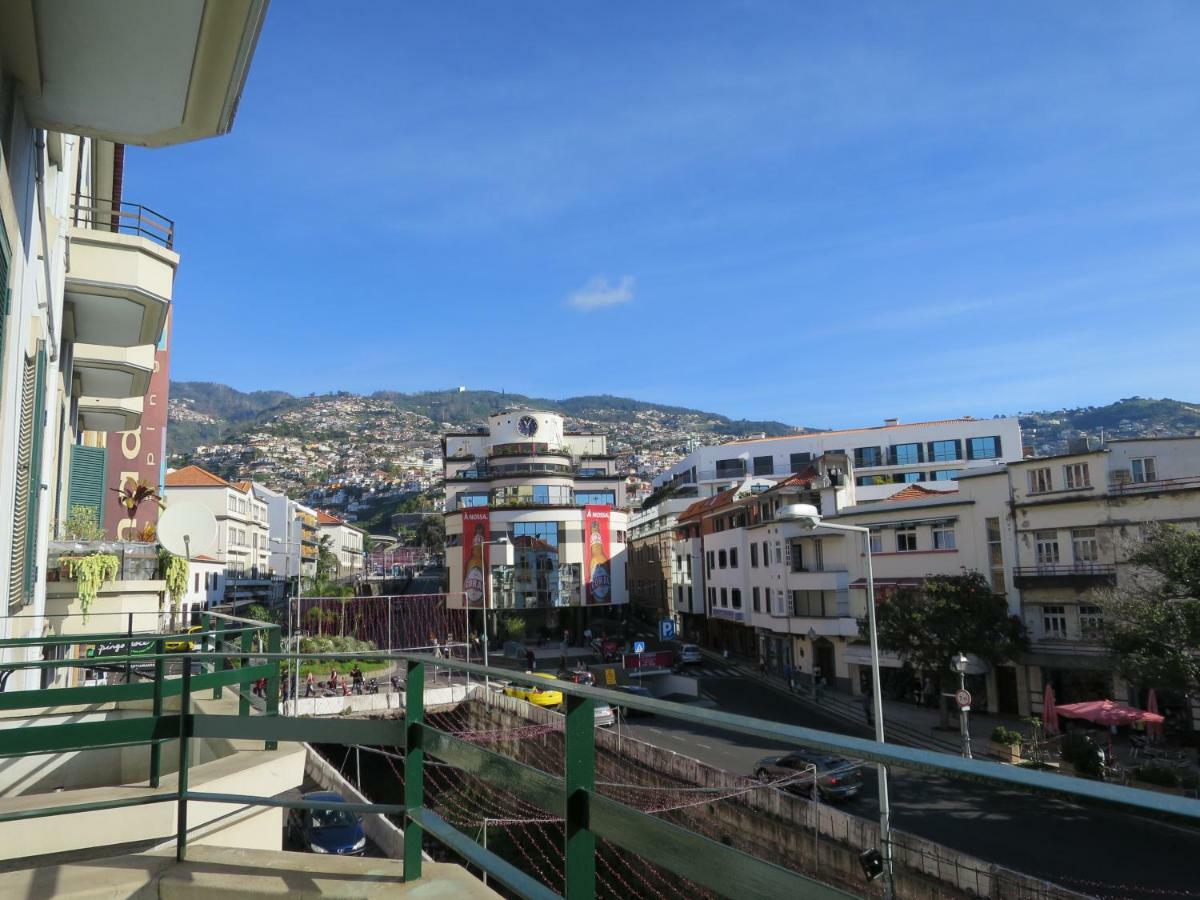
[
  {"x": 475, "y": 537},
  {"x": 597, "y": 568}
]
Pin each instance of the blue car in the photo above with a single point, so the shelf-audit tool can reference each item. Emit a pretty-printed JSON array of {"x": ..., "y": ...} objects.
[{"x": 327, "y": 830}]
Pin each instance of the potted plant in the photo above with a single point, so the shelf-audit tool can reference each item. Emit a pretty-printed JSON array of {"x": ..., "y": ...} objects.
[
  {"x": 1005, "y": 744},
  {"x": 140, "y": 556}
]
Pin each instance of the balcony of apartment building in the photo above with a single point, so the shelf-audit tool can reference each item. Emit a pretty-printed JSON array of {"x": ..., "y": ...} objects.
[
  {"x": 118, "y": 288},
  {"x": 528, "y": 450},
  {"x": 131, "y": 580},
  {"x": 1064, "y": 634},
  {"x": 1065, "y": 575}
]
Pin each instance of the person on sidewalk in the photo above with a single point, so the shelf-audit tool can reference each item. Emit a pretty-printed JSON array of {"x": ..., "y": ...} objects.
[
  {"x": 310, "y": 688},
  {"x": 818, "y": 684},
  {"x": 787, "y": 674},
  {"x": 868, "y": 705},
  {"x": 530, "y": 660}
]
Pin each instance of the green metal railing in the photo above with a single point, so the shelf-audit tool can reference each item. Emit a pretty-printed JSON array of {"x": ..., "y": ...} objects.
[{"x": 586, "y": 814}]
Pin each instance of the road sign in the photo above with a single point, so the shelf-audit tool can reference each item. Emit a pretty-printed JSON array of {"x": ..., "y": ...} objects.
[
  {"x": 610, "y": 676},
  {"x": 639, "y": 646},
  {"x": 963, "y": 698},
  {"x": 666, "y": 629}
]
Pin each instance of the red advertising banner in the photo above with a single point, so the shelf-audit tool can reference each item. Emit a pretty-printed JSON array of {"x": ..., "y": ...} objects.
[
  {"x": 476, "y": 532},
  {"x": 597, "y": 565},
  {"x": 140, "y": 454}
]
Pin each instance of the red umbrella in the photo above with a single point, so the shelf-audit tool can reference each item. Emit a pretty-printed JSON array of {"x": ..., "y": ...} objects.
[
  {"x": 1153, "y": 729},
  {"x": 1107, "y": 712},
  {"x": 1049, "y": 716}
]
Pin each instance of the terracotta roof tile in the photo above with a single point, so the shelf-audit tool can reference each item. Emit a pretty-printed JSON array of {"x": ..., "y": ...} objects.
[
  {"x": 708, "y": 504},
  {"x": 916, "y": 492},
  {"x": 324, "y": 518},
  {"x": 194, "y": 476}
]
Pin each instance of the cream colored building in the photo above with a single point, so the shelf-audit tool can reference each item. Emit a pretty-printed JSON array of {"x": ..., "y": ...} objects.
[
  {"x": 243, "y": 530},
  {"x": 345, "y": 541}
]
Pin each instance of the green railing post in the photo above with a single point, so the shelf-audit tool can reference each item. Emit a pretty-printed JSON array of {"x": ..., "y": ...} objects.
[
  {"x": 160, "y": 674},
  {"x": 219, "y": 665},
  {"x": 580, "y": 782},
  {"x": 273, "y": 683},
  {"x": 414, "y": 765},
  {"x": 185, "y": 732},
  {"x": 206, "y": 641},
  {"x": 243, "y": 696}
]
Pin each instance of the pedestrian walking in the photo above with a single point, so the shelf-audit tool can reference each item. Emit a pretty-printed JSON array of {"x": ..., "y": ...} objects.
[
  {"x": 868, "y": 705},
  {"x": 530, "y": 660},
  {"x": 309, "y": 686},
  {"x": 333, "y": 679},
  {"x": 787, "y": 674}
]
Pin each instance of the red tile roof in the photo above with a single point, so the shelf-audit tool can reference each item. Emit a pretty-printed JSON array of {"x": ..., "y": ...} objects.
[
  {"x": 800, "y": 479},
  {"x": 324, "y": 518},
  {"x": 708, "y": 504},
  {"x": 916, "y": 492},
  {"x": 194, "y": 476}
]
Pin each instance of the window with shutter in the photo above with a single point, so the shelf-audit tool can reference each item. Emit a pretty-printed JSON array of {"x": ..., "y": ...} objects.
[
  {"x": 86, "y": 487},
  {"x": 35, "y": 469},
  {"x": 20, "y": 519}
]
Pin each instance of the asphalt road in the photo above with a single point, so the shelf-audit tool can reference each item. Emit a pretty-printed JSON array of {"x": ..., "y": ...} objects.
[{"x": 1092, "y": 849}]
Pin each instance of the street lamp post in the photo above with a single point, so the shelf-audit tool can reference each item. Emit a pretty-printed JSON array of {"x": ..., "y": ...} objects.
[
  {"x": 959, "y": 664},
  {"x": 807, "y": 516},
  {"x": 293, "y": 626},
  {"x": 487, "y": 581}
]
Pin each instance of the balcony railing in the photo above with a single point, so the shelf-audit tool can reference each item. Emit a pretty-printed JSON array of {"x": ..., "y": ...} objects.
[
  {"x": 123, "y": 218},
  {"x": 572, "y": 798},
  {"x": 1165, "y": 484},
  {"x": 1057, "y": 570}
]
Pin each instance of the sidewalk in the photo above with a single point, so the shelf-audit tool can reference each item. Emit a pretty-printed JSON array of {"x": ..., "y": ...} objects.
[{"x": 904, "y": 723}]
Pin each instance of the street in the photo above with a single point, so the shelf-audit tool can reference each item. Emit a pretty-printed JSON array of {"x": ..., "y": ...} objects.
[{"x": 1092, "y": 849}]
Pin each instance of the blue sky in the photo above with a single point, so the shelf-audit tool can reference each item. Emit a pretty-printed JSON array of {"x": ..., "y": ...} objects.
[{"x": 823, "y": 213}]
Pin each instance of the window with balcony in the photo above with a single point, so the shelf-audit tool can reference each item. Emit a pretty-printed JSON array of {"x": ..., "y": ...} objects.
[
  {"x": 1040, "y": 481},
  {"x": 730, "y": 468},
  {"x": 809, "y": 603},
  {"x": 753, "y": 556},
  {"x": 764, "y": 465},
  {"x": 735, "y": 598},
  {"x": 943, "y": 537},
  {"x": 1076, "y": 475},
  {"x": 1054, "y": 621},
  {"x": 1142, "y": 469},
  {"x": 799, "y": 462},
  {"x": 905, "y": 455},
  {"x": 983, "y": 447},
  {"x": 945, "y": 451},
  {"x": 755, "y": 599},
  {"x": 1084, "y": 546},
  {"x": 943, "y": 474},
  {"x": 906, "y": 539},
  {"x": 1091, "y": 621},
  {"x": 1045, "y": 545},
  {"x": 908, "y": 477},
  {"x": 868, "y": 456}
]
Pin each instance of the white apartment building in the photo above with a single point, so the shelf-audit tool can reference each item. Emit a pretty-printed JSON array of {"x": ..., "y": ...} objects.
[
  {"x": 283, "y": 521},
  {"x": 86, "y": 277},
  {"x": 556, "y": 498},
  {"x": 885, "y": 457},
  {"x": 243, "y": 530},
  {"x": 346, "y": 542}
]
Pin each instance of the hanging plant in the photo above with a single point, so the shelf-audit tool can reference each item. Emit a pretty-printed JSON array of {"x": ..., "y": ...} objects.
[
  {"x": 90, "y": 572},
  {"x": 175, "y": 573}
]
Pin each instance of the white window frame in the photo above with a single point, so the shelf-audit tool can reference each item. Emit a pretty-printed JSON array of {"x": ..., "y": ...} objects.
[
  {"x": 943, "y": 536},
  {"x": 1085, "y": 538},
  {"x": 1055, "y": 614},
  {"x": 908, "y": 531},
  {"x": 1046, "y": 549},
  {"x": 1040, "y": 480},
  {"x": 1143, "y": 469},
  {"x": 1076, "y": 476},
  {"x": 1091, "y": 620}
]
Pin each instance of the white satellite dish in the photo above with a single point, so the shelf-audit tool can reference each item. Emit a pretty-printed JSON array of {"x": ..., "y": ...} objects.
[{"x": 187, "y": 529}]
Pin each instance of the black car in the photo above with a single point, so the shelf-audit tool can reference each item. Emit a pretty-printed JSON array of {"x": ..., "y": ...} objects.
[
  {"x": 837, "y": 778},
  {"x": 635, "y": 690}
]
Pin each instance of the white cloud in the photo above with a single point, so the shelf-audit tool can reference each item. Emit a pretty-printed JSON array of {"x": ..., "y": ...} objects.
[{"x": 599, "y": 293}]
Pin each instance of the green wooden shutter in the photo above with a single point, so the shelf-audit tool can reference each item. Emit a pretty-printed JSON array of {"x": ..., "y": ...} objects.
[
  {"x": 35, "y": 484},
  {"x": 20, "y": 519},
  {"x": 86, "y": 488}
]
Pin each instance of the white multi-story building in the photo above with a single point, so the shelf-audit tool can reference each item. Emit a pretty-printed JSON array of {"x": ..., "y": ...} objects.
[
  {"x": 555, "y": 498},
  {"x": 283, "y": 520},
  {"x": 86, "y": 277},
  {"x": 885, "y": 457},
  {"x": 243, "y": 530},
  {"x": 346, "y": 542}
]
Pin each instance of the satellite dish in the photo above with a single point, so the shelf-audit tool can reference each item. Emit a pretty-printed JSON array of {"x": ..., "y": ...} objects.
[{"x": 187, "y": 529}]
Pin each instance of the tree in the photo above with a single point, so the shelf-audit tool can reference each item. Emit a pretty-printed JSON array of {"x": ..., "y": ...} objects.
[
  {"x": 950, "y": 614},
  {"x": 1152, "y": 622},
  {"x": 431, "y": 534}
]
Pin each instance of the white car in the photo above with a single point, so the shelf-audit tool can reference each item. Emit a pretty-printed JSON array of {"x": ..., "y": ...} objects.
[
  {"x": 604, "y": 715},
  {"x": 690, "y": 653}
]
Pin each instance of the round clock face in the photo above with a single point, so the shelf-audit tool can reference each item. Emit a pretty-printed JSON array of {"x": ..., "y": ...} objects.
[{"x": 527, "y": 425}]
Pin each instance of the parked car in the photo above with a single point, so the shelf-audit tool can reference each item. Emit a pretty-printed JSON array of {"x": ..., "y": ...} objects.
[
  {"x": 183, "y": 646},
  {"x": 607, "y": 649},
  {"x": 536, "y": 695},
  {"x": 583, "y": 676},
  {"x": 605, "y": 715},
  {"x": 690, "y": 653},
  {"x": 637, "y": 691},
  {"x": 327, "y": 830},
  {"x": 837, "y": 778}
]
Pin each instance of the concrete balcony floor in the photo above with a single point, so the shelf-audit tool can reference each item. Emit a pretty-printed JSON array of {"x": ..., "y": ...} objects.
[{"x": 211, "y": 871}]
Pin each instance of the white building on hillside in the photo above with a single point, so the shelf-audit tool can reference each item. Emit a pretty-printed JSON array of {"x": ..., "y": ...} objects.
[
  {"x": 346, "y": 542},
  {"x": 243, "y": 531}
]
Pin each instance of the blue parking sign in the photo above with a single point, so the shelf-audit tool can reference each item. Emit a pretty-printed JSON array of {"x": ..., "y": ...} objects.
[
  {"x": 666, "y": 629},
  {"x": 639, "y": 646}
]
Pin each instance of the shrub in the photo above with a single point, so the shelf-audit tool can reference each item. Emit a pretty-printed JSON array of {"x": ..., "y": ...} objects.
[
  {"x": 1002, "y": 735},
  {"x": 1157, "y": 775}
]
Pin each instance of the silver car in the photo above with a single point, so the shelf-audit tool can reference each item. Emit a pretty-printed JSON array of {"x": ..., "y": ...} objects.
[{"x": 605, "y": 715}]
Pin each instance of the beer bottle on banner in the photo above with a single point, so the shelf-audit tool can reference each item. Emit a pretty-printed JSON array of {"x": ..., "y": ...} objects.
[
  {"x": 599, "y": 565},
  {"x": 473, "y": 577}
]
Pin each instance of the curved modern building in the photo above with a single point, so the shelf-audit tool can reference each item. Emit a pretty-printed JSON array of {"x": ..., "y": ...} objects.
[{"x": 535, "y": 520}]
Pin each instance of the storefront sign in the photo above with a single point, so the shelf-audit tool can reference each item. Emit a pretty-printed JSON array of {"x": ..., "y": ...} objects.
[
  {"x": 476, "y": 532},
  {"x": 597, "y": 558}
]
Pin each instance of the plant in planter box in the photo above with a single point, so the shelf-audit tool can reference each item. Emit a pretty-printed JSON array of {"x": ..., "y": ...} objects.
[
  {"x": 90, "y": 572},
  {"x": 1160, "y": 776},
  {"x": 1006, "y": 743}
]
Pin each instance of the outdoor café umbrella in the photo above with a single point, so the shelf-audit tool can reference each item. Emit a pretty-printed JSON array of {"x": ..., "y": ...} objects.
[
  {"x": 1153, "y": 729},
  {"x": 1049, "y": 716},
  {"x": 1107, "y": 712}
]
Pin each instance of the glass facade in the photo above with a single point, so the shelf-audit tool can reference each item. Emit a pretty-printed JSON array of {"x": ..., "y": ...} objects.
[
  {"x": 595, "y": 498},
  {"x": 536, "y": 579},
  {"x": 945, "y": 451},
  {"x": 906, "y": 454},
  {"x": 983, "y": 447}
]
